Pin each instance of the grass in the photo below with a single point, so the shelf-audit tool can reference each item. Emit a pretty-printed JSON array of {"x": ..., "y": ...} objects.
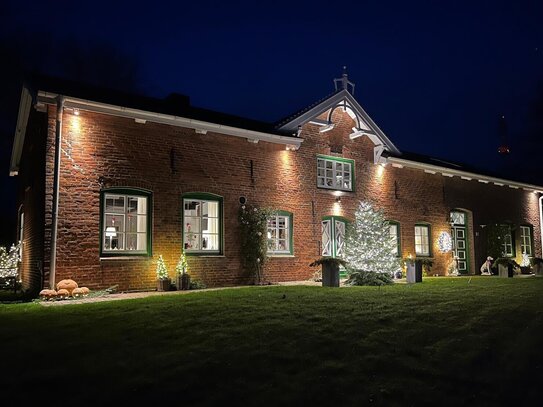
[{"x": 447, "y": 341}]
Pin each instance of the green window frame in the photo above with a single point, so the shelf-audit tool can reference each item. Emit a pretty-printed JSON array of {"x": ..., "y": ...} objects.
[
  {"x": 395, "y": 234},
  {"x": 125, "y": 222},
  {"x": 335, "y": 173},
  {"x": 423, "y": 240},
  {"x": 202, "y": 220},
  {"x": 508, "y": 245},
  {"x": 527, "y": 240},
  {"x": 332, "y": 241},
  {"x": 280, "y": 234}
]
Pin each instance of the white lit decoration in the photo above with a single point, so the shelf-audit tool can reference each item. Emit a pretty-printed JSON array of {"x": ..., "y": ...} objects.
[
  {"x": 444, "y": 242},
  {"x": 368, "y": 246},
  {"x": 9, "y": 261}
]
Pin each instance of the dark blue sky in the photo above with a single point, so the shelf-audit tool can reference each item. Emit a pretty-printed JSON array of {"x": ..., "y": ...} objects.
[{"x": 435, "y": 76}]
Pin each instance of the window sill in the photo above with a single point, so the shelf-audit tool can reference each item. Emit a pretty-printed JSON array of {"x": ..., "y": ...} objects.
[
  {"x": 204, "y": 255},
  {"x": 142, "y": 257},
  {"x": 281, "y": 255}
]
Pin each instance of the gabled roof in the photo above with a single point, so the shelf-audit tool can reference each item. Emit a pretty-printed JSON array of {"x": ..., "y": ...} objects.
[{"x": 365, "y": 124}]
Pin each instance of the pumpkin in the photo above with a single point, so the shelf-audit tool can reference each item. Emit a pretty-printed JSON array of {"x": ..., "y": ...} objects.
[
  {"x": 63, "y": 293},
  {"x": 47, "y": 294},
  {"x": 77, "y": 292},
  {"x": 85, "y": 290},
  {"x": 68, "y": 285}
]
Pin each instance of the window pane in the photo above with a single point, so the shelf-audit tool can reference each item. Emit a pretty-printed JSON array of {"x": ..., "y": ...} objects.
[
  {"x": 192, "y": 208},
  {"x": 115, "y": 203}
]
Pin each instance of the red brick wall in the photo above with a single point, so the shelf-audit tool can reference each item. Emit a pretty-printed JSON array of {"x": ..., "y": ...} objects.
[{"x": 128, "y": 154}]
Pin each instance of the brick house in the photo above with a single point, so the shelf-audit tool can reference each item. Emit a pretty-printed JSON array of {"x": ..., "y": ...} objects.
[{"x": 109, "y": 181}]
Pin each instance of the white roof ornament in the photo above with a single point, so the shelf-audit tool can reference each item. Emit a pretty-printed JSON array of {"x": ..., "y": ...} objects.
[{"x": 345, "y": 82}]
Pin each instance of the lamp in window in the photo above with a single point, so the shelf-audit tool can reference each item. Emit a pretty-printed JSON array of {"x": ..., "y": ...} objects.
[{"x": 111, "y": 231}]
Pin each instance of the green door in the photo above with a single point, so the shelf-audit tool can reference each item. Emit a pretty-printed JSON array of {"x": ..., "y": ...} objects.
[{"x": 459, "y": 235}]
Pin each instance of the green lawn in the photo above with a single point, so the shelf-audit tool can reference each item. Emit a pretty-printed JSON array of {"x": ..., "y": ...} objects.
[{"x": 445, "y": 341}]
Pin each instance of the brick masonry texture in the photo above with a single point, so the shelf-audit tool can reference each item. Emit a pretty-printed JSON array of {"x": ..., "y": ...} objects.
[{"x": 171, "y": 161}]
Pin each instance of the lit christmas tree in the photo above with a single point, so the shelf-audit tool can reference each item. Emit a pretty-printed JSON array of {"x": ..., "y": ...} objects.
[
  {"x": 161, "y": 270},
  {"x": 182, "y": 265},
  {"x": 368, "y": 245}
]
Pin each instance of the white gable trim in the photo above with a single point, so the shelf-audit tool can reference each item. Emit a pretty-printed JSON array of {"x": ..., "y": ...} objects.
[{"x": 372, "y": 131}]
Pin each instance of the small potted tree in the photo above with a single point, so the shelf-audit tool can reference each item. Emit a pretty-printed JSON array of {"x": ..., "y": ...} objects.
[
  {"x": 183, "y": 277},
  {"x": 506, "y": 266},
  {"x": 162, "y": 275},
  {"x": 330, "y": 270}
]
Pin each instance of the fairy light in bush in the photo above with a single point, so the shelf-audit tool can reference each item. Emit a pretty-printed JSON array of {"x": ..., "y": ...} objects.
[
  {"x": 9, "y": 261},
  {"x": 444, "y": 242}
]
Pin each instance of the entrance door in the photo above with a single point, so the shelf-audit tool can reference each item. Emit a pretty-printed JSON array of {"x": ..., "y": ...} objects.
[
  {"x": 459, "y": 235},
  {"x": 333, "y": 237}
]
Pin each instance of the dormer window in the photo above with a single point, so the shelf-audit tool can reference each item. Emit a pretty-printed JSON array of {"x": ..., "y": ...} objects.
[{"x": 335, "y": 173}]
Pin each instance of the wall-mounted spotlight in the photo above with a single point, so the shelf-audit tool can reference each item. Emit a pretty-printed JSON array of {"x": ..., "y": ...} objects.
[
  {"x": 76, "y": 111},
  {"x": 338, "y": 199}
]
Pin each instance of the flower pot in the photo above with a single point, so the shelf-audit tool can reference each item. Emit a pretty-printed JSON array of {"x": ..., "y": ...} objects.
[
  {"x": 414, "y": 272},
  {"x": 505, "y": 271},
  {"x": 163, "y": 284},
  {"x": 525, "y": 270},
  {"x": 330, "y": 275},
  {"x": 183, "y": 281}
]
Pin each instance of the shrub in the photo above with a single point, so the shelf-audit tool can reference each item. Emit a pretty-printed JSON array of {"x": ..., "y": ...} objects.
[{"x": 364, "y": 277}]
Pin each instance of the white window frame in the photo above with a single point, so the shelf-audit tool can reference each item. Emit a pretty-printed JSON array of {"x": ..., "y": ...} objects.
[
  {"x": 508, "y": 242},
  {"x": 337, "y": 177},
  {"x": 421, "y": 246},
  {"x": 395, "y": 236},
  {"x": 274, "y": 230},
  {"x": 125, "y": 215},
  {"x": 200, "y": 235},
  {"x": 526, "y": 240}
]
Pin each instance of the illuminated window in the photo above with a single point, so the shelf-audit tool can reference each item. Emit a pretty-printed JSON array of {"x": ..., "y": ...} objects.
[
  {"x": 126, "y": 219},
  {"x": 394, "y": 230},
  {"x": 422, "y": 240},
  {"x": 508, "y": 248},
  {"x": 202, "y": 223},
  {"x": 526, "y": 240},
  {"x": 280, "y": 233},
  {"x": 335, "y": 173}
]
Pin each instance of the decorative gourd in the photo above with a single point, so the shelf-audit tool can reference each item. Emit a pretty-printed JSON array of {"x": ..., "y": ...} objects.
[
  {"x": 47, "y": 294},
  {"x": 68, "y": 285},
  {"x": 77, "y": 292},
  {"x": 63, "y": 293},
  {"x": 85, "y": 291}
]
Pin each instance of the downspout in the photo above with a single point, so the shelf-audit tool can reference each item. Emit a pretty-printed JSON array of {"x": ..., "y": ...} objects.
[
  {"x": 56, "y": 184},
  {"x": 541, "y": 222}
]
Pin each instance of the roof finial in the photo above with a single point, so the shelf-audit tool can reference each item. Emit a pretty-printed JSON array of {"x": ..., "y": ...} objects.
[{"x": 345, "y": 82}]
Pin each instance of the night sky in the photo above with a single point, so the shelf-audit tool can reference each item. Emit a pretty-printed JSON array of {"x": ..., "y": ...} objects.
[{"x": 435, "y": 76}]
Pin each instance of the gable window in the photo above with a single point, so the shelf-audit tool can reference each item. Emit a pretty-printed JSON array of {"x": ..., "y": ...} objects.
[
  {"x": 126, "y": 222},
  {"x": 333, "y": 236},
  {"x": 422, "y": 240},
  {"x": 394, "y": 230},
  {"x": 202, "y": 223},
  {"x": 508, "y": 248},
  {"x": 526, "y": 240},
  {"x": 335, "y": 173},
  {"x": 280, "y": 233}
]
